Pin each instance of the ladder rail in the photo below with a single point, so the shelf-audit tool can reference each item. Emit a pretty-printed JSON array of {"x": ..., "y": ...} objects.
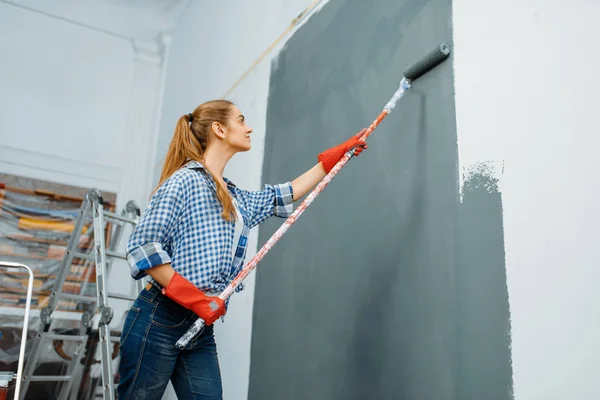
[
  {"x": 70, "y": 254},
  {"x": 106, "y": 312}
]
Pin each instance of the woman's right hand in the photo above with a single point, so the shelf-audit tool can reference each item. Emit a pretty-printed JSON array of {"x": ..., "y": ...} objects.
[{"x": 185, "y": 293}]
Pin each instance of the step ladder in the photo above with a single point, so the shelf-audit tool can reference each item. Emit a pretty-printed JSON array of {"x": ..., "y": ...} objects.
[
  {"x": 92, "y": 209},
  {"x": 6, "y": 377}
]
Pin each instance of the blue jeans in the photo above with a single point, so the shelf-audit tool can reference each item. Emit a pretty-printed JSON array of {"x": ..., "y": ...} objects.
[{"x": 149, "y": 358}]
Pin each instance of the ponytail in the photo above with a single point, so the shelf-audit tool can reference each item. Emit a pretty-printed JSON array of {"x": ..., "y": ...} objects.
[
  {"x": 186, "y": 146},
  {"x": 180, "y": 150}
]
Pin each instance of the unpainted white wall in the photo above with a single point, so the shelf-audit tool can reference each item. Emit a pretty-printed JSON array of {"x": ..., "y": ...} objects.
[
  {"x": 78, "y": 105},
  {"x": 202, "y": 67},
  {"x": 64, "y": 99},
  {"x": 527, "y": 95}
]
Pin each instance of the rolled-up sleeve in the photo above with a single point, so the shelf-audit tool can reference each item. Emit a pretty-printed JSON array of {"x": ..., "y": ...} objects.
[
  {"x": 272, "y": 200},
  {"x": 147, "y": 245}
]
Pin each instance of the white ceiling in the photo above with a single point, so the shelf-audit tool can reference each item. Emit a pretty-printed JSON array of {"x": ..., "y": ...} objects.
[{"x": 129, "y": 19}]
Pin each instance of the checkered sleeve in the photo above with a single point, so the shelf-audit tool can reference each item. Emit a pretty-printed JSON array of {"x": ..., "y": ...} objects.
[
  {"x": 272, "y": 200},
  {"x": 146, "y": 247}
]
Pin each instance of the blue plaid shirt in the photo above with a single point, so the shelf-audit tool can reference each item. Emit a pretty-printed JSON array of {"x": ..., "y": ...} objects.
[{"x": 182, "y": 225}]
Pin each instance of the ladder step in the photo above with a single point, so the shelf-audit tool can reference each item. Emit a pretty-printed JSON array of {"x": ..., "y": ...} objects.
[
  {"x": 73, "y": 338},
  {"x": 7, "y": 376},
  {"x": 51, "y": 378},
  {"x": 70, "y": 296},
  {"x": 90, "y": 257},
  {"x": 121, "y": 296},
  {"x": 116, "y": 255},
  {"x": 92, "y": 299},
  {"x": 119, "y": 218}
]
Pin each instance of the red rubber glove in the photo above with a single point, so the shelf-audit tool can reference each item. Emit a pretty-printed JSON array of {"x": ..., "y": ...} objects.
[
  {"x": 185, "y": 293},
  {"x": 331, "y": 156}
]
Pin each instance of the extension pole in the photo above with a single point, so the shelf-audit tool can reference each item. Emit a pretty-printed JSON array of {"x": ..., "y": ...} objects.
[{"x": 413, "y": 72}]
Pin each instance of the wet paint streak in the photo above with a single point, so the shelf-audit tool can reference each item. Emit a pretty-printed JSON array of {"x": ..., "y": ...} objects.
[
  {"x": 484, "y": 363},
  {"x": 199, "y": 324}
]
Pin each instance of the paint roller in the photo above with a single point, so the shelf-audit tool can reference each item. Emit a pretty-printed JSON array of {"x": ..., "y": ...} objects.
[{"x": 428, "y": 62}]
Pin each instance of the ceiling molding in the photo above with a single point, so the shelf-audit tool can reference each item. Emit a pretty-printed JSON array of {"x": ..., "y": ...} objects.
[
  {"x": 152, "y": 51},
  {"x": 160, "y": 5},
  {"x": 126, "y": 19}
]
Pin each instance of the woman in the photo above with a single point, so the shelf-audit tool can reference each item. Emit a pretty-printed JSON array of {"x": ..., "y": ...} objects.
[{"x": 191, "y": 241}]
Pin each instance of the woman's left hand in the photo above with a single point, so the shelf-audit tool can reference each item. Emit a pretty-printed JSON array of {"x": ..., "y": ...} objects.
[{"x": 331, "y": 156}]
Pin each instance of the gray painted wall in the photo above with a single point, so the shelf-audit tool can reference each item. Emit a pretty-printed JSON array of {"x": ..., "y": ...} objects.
[
  {"x": 484, "y": 364},
  {"x": 358, "y": 300}
]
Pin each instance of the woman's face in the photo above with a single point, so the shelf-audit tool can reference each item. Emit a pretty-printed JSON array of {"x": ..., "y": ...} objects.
[{"x": 237, "y": 131}]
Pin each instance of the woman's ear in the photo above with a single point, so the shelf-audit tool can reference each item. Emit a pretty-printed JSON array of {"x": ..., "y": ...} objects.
[{"x": 218, "y": 130}]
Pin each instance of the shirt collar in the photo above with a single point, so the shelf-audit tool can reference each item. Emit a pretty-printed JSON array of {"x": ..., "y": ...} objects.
[{"x": 193, "y": 164}]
